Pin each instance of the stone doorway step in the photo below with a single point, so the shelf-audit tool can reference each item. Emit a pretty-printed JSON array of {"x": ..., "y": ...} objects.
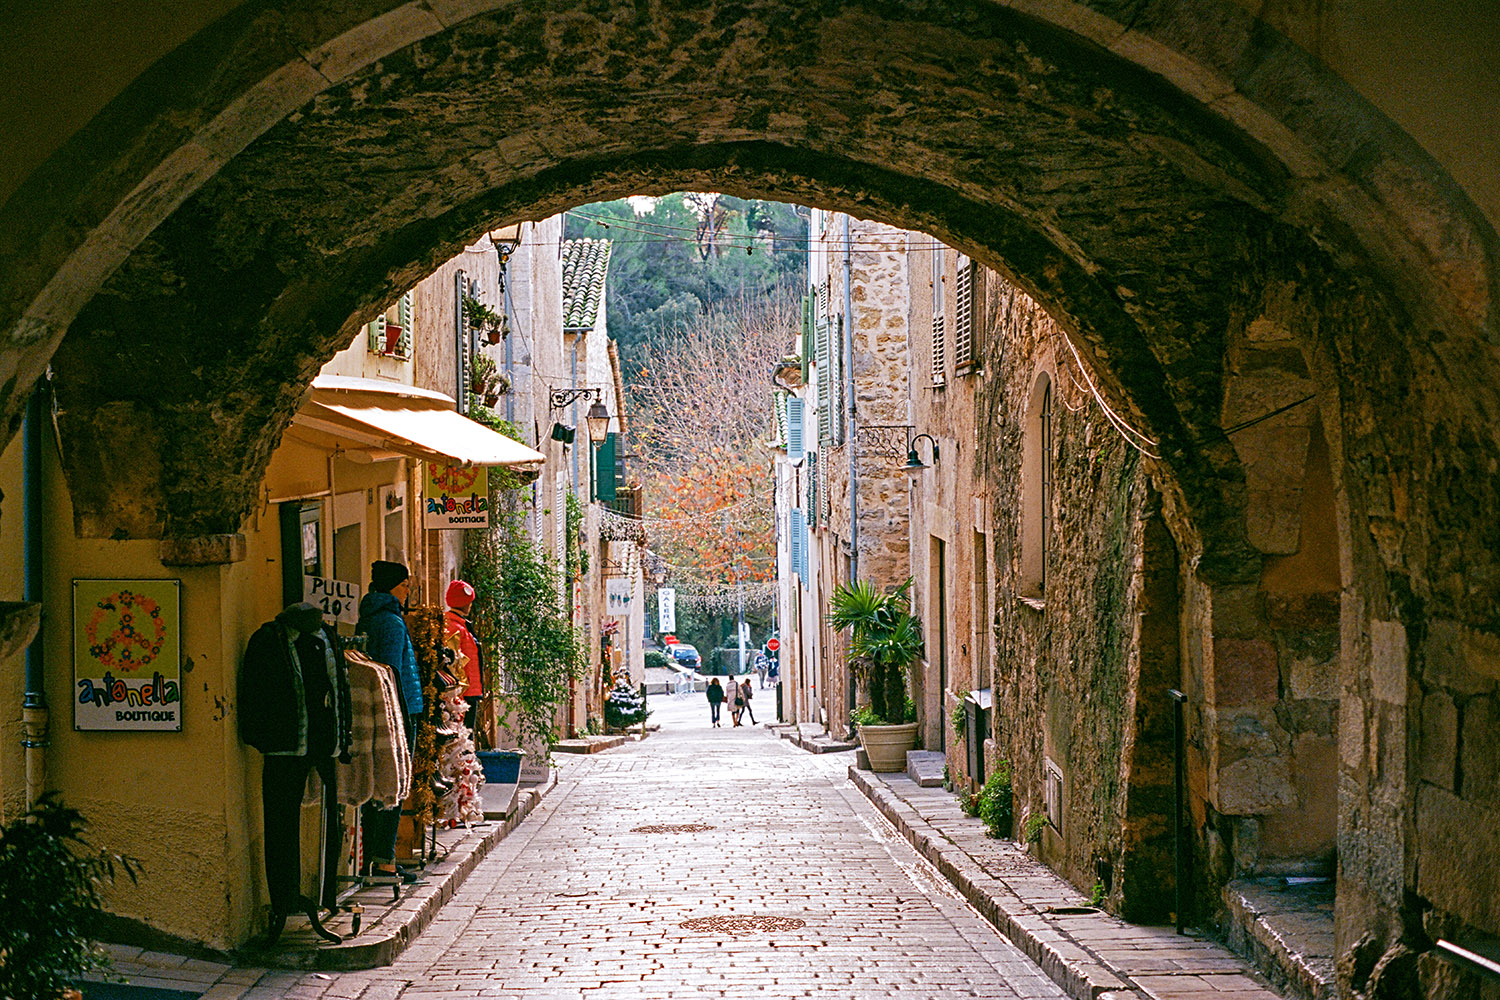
[{"x": 1285, "y": 926}]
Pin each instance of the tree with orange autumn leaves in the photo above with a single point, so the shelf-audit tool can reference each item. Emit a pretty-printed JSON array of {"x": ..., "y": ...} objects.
[{"x": 701, "y": 405}]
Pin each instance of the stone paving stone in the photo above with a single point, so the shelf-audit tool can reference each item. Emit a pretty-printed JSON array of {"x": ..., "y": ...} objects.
[
  {"x": 1090, "y": 955},
  {"x": 576, "y": 903}
]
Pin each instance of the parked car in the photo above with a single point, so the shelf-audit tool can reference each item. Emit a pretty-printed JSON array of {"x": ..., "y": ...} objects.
[{"x": 686, "y": 656}]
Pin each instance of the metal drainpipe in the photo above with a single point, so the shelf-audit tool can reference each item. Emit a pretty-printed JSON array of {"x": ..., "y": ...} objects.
[
  {"x": 34, "y": 739},
  {"x": 848, "y": 338}
]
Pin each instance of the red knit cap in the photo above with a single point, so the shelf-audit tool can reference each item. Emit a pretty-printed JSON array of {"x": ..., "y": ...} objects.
[{"x": 459, "y": 594}]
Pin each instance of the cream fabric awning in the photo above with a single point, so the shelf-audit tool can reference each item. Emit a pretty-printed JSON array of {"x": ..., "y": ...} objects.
[{"x": 406, "y": 420}]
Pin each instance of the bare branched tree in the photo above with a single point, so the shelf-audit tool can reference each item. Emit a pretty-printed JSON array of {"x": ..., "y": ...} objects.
[{"x": 702, "y": 401}]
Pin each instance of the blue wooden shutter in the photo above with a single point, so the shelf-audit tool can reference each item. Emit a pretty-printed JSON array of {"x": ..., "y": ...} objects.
[
  {"x": 796, "y": 540},
  {"x": 794, "y": 444}
]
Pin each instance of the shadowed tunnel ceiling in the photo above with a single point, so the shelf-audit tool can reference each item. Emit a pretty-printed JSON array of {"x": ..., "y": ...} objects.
[{"x": 1169, "y": 192}]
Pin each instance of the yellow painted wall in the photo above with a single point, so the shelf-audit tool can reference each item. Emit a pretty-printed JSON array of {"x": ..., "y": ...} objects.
[{"x": 164, "y": 798}]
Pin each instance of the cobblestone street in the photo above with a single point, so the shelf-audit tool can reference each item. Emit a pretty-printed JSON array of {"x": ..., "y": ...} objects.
[{"x": 578, "y": 903}]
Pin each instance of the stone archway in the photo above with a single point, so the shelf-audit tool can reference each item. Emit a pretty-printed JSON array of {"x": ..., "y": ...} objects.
[{"x": 1163, "y": 182}]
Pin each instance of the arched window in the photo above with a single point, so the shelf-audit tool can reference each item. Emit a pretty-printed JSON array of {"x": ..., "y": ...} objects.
[{"x": 1036, "y": 487}]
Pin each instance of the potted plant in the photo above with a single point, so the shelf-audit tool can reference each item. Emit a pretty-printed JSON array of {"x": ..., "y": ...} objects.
[
  {"x": 51, "y": 901},
  {"x": 885, "y": 640},
  {"x": 487, "y": 322}
]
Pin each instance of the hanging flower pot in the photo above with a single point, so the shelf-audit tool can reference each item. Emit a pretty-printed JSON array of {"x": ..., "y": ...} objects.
[
  {"x": 492, "y": 334},
  {"x": 491, "y": 398}
]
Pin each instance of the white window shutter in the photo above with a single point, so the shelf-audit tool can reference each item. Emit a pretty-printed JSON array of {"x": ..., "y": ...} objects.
[
  {"x": 825, "y": 384},
  {"x": 939, "y": 350},
  {"x": 963, "y": 314}
]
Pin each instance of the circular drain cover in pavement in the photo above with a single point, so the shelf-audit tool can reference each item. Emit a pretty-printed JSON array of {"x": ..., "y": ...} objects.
[
  {"x": 1071, "y": 911},
  {"x": 673, "y": 828},
  {"x": 736, "y": 925}
]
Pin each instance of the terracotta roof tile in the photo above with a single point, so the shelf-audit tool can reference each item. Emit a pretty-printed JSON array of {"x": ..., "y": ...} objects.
[{"x": 585, "y": 265}]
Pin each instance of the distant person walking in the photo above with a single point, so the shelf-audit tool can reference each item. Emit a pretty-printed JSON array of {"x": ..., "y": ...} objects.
[
  {"x": 745, "y": 696},
  {"x": 715, "y": 700},
  {"x": 738, "y": 694}
]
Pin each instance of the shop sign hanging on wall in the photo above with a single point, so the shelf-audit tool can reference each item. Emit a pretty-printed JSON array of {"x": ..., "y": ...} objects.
[
  {"x": 666, "y": 609},
  {"x": 127, "y": 655},
  {"x": 617, "y": 592},
  {"x": 337, "y": 599},
  {"x": 456, "y": 496}
]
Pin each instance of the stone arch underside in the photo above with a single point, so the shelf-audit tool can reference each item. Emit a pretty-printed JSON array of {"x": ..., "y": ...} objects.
[{"x": 1158, "y": 189}]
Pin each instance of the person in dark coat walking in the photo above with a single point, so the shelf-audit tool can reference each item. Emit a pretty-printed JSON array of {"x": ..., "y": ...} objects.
[
  {"x": 380, "y": 618},
  {"x": 744, "y": 702},
  {"x": 715, "y": 701}
]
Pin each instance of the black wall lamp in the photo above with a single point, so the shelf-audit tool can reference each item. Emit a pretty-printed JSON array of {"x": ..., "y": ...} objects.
[
  {"x": 598, "y": 415},
  {"x": 914, "y": 463}
]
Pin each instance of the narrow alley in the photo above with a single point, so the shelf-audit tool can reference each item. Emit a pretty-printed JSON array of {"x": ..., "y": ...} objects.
[{"x": 586, "y": 900}]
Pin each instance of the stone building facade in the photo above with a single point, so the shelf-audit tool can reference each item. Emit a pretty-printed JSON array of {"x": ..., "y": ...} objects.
[{"x": 1057, "y": 583}]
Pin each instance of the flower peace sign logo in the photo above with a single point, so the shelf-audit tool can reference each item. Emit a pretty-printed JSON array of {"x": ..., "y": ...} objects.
[
  {"x": 125, "y": 631},
  {"x": 454, "y": 479}
]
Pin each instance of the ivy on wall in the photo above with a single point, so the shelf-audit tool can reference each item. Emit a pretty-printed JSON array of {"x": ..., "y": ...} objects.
[{"x": 519, "y": 616}]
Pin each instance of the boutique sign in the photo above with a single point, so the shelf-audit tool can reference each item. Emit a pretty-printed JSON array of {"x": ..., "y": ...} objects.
[
  {"x": 455, "y": 496},
  {"x": 127, "y": 655}
]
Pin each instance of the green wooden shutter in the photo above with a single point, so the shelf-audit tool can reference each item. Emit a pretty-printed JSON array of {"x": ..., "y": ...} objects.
[
  {"x": 604, "y": 470},
  {"x": 807, "y": 337}
]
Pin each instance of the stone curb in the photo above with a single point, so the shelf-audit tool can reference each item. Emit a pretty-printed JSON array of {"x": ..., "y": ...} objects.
[
  {"x": 404, "y": 922},
  {"x": 1064, "y": 960}
]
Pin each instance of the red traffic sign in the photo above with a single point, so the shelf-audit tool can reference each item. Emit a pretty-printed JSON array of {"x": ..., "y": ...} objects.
[{"x": 773, "y": 644}]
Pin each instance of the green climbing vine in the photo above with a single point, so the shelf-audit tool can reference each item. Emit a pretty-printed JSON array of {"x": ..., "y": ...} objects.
[{"x": 519, "y": 613}]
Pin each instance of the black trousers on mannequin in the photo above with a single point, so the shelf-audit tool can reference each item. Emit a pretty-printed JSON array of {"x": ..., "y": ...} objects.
[{"x": 282, "y": 782}]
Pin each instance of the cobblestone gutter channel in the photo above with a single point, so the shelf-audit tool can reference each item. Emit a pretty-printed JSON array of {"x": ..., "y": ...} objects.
[{"x": 1091, "y": 955}]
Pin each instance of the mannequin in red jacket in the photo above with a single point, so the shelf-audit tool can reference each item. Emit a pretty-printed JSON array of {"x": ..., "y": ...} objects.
[{"x": 459, "y": 597}]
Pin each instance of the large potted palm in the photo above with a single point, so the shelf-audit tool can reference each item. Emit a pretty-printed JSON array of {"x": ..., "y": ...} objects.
[{"x": 885, "y": 639}]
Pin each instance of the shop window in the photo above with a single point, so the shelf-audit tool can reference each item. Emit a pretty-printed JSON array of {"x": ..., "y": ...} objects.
[
  {"x": 393, "y": 523},
  {"x": 1036, "y": 488},
  {"x": 301, "y": 546},
  {"x": 980, "y": 604}
]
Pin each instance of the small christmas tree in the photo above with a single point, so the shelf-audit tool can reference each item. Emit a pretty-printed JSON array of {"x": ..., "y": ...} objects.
[{"x": 625, "y": 706}]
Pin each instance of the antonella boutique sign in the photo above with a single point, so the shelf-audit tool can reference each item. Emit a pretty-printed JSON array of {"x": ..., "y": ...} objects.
[
  {"x": 455, "y": 496},
  {"x": 127, "y": 655}
]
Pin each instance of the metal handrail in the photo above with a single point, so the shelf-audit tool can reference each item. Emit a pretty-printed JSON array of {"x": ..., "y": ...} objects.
[{"x": 1484, "y": 965}]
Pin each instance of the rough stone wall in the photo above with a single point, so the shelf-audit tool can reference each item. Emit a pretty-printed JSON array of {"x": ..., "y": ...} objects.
[
  {"x": 1069, "y": 663},
  {"x": 949, "y": 503},
  {"x": 878, "y": 295}
]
